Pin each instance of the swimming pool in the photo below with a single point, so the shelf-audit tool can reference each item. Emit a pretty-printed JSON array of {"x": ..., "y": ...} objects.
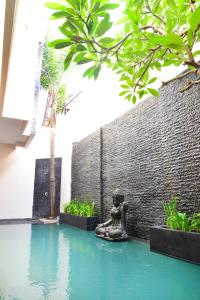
[{"x": 63, "y": 262}]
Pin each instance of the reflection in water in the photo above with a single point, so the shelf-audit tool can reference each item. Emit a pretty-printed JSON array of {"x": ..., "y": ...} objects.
[
  {"x": 104, "y": 270},
  {"x": 53, "y": 262},
  {"x": 43, "y": 266},
  {"x": 48, "y": 267}
]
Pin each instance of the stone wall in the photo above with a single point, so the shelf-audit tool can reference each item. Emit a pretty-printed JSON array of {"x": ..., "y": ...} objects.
[
  {"x": 86, "y": 170},
  {"x": 151, "y": 153}
]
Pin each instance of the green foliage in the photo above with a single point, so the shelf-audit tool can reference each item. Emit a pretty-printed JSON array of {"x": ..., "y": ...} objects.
[
  {"x": 51, "y": 76},
  {"x": 195, "y": 222},
  {"x": 179, "y": 220},
  {"x": 80, "y": 208},
  {"x": 154, "y": 34},
  {"x": 176, "y": 220},
  {"x": 52, "y": 68},
  {"x": 60, "y": 109}
]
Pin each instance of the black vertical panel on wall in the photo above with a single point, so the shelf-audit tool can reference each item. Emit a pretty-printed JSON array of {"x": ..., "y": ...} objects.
[
  {"x": 101, "y": 174},
  {"x": 151, "y": 153},
  {"x": 41, "y": 197}
]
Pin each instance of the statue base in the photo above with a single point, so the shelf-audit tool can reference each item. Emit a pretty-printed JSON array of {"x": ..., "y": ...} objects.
[{"x": 112, "y": 240}]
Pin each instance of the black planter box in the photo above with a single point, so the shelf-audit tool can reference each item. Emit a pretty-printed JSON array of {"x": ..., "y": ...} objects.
[
  {"x": 86, "y": 223},
  {"x": 176, "y": 243}
]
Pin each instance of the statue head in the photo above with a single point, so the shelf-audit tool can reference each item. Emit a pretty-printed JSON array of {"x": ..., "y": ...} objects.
[{"x": 118, "y": 197}]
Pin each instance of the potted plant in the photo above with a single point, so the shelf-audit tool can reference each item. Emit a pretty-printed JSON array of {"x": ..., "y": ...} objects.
[
  {"x": 180, "y": 238},
  {"x": 80, "y": 214}
]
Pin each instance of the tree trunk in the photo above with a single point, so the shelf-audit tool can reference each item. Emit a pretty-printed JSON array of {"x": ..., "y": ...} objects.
[
  {"x": 52, "y": 161},
  {"x": 52, "y": 173}
]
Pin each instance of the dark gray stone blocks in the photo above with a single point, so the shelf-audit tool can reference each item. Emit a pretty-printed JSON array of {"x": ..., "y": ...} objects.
[{"x": 151, "y": 153}]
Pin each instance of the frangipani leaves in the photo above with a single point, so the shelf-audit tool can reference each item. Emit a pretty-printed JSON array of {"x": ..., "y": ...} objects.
[{"x": 153, "y": 34}]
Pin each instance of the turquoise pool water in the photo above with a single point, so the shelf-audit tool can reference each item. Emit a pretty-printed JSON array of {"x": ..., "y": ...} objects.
[{"x": 60, "y": 262}]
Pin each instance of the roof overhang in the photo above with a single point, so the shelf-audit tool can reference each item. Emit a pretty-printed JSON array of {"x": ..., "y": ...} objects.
[
  {"x": 11, "y": 130},
  {"x": 10, "y": 6}
]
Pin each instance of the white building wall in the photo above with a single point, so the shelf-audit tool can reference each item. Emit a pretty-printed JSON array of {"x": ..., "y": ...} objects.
[
  {"x": 16, "y": 187},
  {"x": 17, "y": 172},
  {"x": 96, "y": 105},
  {"x": 19, "y": 94},
  {"x": 17, "y": 168}
]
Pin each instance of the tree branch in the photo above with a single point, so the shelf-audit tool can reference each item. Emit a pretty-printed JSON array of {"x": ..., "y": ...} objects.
[
  {"x": 119, "y": 44},
  {"x": 179, "y": 76},
  {"x": 156, "y": 16},
  {"x": 183, "y": 33},
  {"x": 192, "y": 5},
  {"x": 69, "y": 101},
  {"x": 192, "y": 63},
  {"x": 73, "y": 98},
  {"x": 189, "y": 85},
  {"x": 85, "y": 22},
  {"x": 147, "y": 57},
  {"x": 143, "y": 73},
  {"x": 155, "y": 29},
  {"x": 91, "y": 42},
  {"x": 159, "y": 18},
  {"x": 122, "y": 41}
]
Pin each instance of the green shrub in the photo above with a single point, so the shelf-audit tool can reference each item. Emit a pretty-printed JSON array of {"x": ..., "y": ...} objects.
[
  {"x": 80, "y": 208},
  {"x": 170, "y": 211},
  {"x": 195, "y": 222},
  {"x": 180, "y": 220}
]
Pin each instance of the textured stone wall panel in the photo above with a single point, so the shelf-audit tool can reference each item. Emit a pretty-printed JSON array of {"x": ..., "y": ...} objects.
[
  {"x": 151, "y": 153},
  {"x": 86, "y": 170}
]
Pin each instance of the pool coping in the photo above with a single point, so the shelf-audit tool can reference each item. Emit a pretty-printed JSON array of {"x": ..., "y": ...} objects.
[{"x": 20, "y": 221}]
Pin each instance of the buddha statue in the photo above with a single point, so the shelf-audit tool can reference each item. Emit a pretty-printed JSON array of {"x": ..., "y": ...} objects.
[{"x": 115, "y": 228}]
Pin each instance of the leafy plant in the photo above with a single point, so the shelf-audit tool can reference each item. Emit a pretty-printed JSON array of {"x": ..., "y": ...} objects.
[
  {"x": 80, "y": 208},
  {"x": 180, "y": 220},
  {"x": 153, "y": 34},
  {"x": 61, "y": 101},
  {"x": 183, "y": 222},
  {"x": 51, "y": 77},
  {"x": 195, "y": 222},
  {"x": 176, "y": 220}
]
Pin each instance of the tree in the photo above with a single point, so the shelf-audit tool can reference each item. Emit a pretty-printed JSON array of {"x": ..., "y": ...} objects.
[
  {"x": 57, "y": 103},
  {"x": 51, "y": 78},
  {"x": 154, "y": 34}
]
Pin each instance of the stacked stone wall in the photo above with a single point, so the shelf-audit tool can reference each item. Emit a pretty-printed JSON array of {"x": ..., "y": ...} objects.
[{"x": 151, "y": 153}]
